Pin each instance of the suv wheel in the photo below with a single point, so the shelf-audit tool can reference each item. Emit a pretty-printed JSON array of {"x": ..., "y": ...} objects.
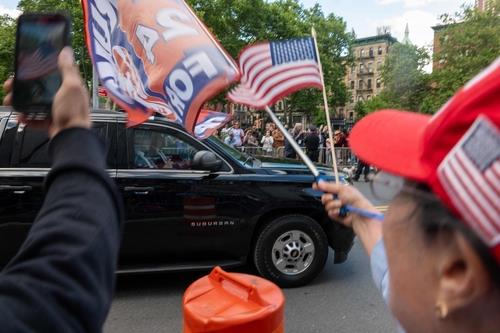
[{"x": 291, "y": 250}]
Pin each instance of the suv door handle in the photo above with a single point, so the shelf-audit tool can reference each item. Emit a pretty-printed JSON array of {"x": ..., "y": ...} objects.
[
  {"x": 139, "y": 189},
  {"x": 17, "y": 189}
]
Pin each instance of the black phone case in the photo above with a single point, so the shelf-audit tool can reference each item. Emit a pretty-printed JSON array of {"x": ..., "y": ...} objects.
[{"x": 32, "y": 110}]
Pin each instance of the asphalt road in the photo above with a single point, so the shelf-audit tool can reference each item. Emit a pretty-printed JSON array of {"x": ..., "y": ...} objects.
[{"x": 342, "y": 299}]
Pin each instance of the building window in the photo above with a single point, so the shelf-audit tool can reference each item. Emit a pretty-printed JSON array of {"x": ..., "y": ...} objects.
[
  {"x": 360, "y": 98},
  {"x": 379, "y": 64},
  {"x": 371, "y": 52},
  {"x": 370, "y": 67},
  {"x": 362, "y": 53},
  {"x": 361, "y": 68},
  {"x": 369, "y": 84},
  {"x": 352, "y": 84},
  {"x": 360, "y": 84},
  {"x": 369, "y": 96},
  {"x": 379, "y": 83},
  {"x": 351, "y": 115},
  {"x": 341, "y": 110},
  {"x": 351, "y": 99},
  {"x": 353, "y": 69},
  {"x": 379, "y": 50}
]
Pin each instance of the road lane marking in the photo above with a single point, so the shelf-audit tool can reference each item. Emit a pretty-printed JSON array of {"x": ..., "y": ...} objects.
[{"x": 382, "y": 208}]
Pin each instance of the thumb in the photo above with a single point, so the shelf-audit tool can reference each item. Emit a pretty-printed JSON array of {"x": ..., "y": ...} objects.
[{"x": 66, "y": 63}]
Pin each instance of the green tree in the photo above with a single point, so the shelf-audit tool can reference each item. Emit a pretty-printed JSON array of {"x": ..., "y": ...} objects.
[
  {"x": 405, "y": 82},
  {"x": 7, "y": 45},
  {"x": 237, "y": 23},
  {"x": 470, "y": 41},
  {"x": 334, "y": 44},
  {"x": 381, "y": 101}
]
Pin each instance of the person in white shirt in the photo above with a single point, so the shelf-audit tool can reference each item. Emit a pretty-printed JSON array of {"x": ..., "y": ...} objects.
[
  {"x": 267, "y": 143},
  {"x": 238, "y": 134}
]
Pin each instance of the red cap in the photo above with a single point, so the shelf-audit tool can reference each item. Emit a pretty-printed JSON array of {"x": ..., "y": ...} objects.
[{"x": 456, "y": 152}]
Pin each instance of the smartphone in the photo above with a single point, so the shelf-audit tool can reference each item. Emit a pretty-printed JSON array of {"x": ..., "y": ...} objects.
[{"x": 39, "y": 40}]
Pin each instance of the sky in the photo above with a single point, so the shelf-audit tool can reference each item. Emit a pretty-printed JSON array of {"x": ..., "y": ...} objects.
[{"x": 364, "y": 16}]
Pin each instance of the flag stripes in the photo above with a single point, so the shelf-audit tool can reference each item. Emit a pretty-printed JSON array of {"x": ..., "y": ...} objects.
[
  {"x": 471, "y": 179},
  {"x": 273, "y": 70},
  {"x": 36, "y": 65}
]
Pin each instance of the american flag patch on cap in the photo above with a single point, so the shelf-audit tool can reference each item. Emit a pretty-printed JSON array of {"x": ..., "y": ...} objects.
[{"x": 470, "y": 175}]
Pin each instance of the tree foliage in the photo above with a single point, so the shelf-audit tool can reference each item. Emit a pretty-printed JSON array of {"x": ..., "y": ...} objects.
[
  {"x": 470, "y": 41},
  {"x": 236, "y": 23},
  {"x": 404, "y": 78},
  {"x": 7, "y": 45},
  {"x": 378, "y": 102},
  {"x": 405, "y": 82}
]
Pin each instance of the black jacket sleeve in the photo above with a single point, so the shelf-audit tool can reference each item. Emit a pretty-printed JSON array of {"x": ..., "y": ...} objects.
[{"x": 62, "y": 279}]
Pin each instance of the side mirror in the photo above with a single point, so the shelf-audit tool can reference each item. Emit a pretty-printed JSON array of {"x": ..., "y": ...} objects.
[{"x": 206, "y": 160}]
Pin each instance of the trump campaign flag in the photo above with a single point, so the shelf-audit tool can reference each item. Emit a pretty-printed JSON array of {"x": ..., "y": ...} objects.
[
  {"x": 272, "y": 70},
  {"x": 157, "y": 56}
]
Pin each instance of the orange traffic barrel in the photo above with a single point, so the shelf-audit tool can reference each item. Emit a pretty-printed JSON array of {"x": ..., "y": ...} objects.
[{"x": 224, "y": 302}]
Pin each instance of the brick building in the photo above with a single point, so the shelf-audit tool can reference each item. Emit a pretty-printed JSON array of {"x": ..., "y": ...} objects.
[
  {"x": 438, "y": 61},
  {"x": 363, "y": 78}
]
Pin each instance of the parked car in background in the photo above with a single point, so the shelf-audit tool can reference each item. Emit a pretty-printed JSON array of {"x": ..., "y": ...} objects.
[{"x": 190, "y": 204}]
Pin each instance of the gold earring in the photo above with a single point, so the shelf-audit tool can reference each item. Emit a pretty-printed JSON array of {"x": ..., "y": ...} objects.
[{"x": 441, "y": 310}]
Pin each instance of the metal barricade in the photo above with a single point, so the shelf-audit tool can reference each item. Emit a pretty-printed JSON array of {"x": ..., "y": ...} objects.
[
  {"x": 258, "y": 151},
  {"x": 344, "y": 156}
]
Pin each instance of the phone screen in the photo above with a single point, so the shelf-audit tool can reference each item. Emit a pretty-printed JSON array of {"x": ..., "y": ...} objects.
[{"x": 37, "y": 79}]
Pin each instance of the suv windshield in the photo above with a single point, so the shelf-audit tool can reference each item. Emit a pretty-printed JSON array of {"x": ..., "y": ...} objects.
[{"x": 242, "y": 157}]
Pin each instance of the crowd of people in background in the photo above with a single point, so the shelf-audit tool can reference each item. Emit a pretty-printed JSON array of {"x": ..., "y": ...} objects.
[{"x": 270, "y": 141}]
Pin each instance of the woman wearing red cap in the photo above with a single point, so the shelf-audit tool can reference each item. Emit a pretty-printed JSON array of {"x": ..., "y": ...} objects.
[{"x": 436, "y": 255}]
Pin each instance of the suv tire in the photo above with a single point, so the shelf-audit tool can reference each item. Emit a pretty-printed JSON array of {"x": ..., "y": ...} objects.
[{"x": 291, "y": 250}]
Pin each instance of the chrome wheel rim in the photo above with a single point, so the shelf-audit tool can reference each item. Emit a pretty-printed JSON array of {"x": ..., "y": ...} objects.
[{"x": 293, "y": 252}]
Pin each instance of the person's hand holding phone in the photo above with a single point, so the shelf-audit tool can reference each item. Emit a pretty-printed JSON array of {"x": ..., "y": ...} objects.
[{"x": 71, "y": 103}]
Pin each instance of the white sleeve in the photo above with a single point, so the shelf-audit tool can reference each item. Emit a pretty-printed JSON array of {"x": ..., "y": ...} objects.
[{"x": 380, "y": 271}]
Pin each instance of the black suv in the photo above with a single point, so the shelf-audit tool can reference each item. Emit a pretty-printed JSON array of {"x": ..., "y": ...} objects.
[{"x": 190, "y": 204}]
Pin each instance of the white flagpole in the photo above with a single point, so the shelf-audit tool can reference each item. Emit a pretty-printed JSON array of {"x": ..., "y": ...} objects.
[
  {"x": 330, "y": 132},
  {"x": 293, "y": 143},
  {"x": 95, "y": 84}
]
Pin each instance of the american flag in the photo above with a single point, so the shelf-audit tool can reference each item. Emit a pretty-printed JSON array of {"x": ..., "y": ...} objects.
[
  {"x": 470, "y": 174},
  {"x": 37, "y": 64},
  {"x": 275, "y": 69}
]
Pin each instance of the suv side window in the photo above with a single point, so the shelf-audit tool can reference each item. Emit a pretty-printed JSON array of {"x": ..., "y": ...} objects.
[
  {"x": 7, "y": 140},
  {"x": 101, "y": 129},
  {"x": 155, "y": 149},
  {"x": 32, "y": 145}
]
